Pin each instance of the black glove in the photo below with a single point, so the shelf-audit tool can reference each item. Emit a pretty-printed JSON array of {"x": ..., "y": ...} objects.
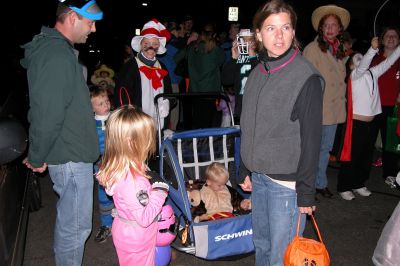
[
  {"x": 157, "y": 182},
  {"x": 155, "y": 177}
]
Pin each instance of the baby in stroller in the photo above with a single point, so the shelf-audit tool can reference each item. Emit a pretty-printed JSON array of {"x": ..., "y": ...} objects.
[{"x": 212, "y": 199}]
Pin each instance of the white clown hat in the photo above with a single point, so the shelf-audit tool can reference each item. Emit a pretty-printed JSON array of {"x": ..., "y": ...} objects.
[{"x": 152, "y": 29}]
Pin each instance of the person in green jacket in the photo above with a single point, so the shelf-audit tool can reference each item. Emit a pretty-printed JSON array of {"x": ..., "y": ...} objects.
[
  {"x": 205, "y": 59},
  {"x": 62, "y": 132}
]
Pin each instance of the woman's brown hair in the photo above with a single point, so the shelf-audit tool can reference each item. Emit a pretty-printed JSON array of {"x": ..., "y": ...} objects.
[
  {"x": 270, "y": 8},
  {"x": 323, "y": 44}
]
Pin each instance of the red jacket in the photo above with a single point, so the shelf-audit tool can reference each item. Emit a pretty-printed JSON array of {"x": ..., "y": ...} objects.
[{"x": 389, "y": 82}]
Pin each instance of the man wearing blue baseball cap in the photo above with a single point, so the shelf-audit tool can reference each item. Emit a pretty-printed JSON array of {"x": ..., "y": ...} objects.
[{"x": 62, "y": 133}]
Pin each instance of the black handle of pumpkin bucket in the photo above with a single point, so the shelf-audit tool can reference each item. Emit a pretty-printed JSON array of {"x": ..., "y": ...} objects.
[{"x": 185, "y": 240}]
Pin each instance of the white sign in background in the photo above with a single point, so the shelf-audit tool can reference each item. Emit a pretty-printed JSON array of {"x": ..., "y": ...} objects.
[{"x": 233, "y": 14}]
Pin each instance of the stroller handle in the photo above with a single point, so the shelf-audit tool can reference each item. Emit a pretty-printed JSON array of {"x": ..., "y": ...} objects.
[
  {"x": 204, "y": 95},
  {"x": 197, "y": 95}
]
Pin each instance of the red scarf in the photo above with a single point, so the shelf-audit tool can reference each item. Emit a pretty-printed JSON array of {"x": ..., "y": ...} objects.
[
  {"x": 154, "y": 74},
  {"x": 335, "y": 45},
  {"x": 345, "y": 155}
]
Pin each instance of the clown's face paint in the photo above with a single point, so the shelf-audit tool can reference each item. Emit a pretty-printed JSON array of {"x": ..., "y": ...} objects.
[{"x": 149, "y": 47}]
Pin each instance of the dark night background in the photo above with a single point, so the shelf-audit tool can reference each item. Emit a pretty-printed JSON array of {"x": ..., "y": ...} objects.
[{"x": 122, "y": 17}]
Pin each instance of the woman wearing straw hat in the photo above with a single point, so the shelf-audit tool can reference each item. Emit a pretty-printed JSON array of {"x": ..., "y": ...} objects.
[{"x": 327, "y": 54}]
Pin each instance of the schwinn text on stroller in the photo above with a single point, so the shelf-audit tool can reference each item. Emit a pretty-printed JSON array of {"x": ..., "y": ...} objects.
[{"x": 233, "y": 235}]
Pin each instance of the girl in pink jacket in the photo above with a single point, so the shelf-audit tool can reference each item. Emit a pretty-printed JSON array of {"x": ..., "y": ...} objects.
[{"x": 129, "y": 143}]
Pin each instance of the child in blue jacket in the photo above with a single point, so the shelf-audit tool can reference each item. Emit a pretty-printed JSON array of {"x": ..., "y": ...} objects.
[{"x": 101, "y": 108}]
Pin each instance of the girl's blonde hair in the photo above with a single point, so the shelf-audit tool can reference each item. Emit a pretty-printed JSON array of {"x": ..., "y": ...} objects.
[
  {"x": 130, "y": 141},
  {"x": 217, "y": 172}
]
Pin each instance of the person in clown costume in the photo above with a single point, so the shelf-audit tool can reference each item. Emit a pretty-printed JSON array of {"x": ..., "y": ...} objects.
[{"x": 143, "y": 77}]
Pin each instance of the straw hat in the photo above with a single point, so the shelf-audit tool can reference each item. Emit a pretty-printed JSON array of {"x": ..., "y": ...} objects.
[
  {"x": 152, "y": 29},
  {"x": 104, "y": 68},
  {"x": 321, "y": 11}
]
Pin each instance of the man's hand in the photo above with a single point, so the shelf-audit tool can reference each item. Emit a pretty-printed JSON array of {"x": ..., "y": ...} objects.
[
  {"x": 35, "y": 169},
  {"x": 246, "y": 185}
]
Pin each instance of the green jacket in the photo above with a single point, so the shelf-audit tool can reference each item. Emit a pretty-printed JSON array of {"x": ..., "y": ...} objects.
[
  {"x": 62, "y": 128},
  {"x": 204, "y": 68}
]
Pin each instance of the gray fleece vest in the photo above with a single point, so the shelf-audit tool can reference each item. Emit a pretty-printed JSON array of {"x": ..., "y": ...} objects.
[{"x": 270, "y": 139}]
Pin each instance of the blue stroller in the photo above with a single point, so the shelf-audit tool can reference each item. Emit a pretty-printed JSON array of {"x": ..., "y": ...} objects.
[{"x": 184, "y": 156}]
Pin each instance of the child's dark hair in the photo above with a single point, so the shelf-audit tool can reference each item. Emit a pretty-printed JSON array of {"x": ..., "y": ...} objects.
[
  {"x": 348, "y": 63},
  {"x": 97, "y": 91}
]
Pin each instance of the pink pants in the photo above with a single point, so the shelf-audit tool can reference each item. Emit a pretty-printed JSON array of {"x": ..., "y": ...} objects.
[{"x": 134, "y": 245}]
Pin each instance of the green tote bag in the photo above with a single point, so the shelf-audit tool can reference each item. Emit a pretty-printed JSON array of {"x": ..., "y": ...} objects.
[{"x": 392, "y": 140}]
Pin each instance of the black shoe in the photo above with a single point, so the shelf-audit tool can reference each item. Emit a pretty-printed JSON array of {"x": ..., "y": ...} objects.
[
  {"x": 324, "y": 192},
  {"x": 102, "y": 234}
]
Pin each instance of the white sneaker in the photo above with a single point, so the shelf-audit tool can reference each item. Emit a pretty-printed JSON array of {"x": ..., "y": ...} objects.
[
  {"x": 391, "y": 181},
  {"x": 363, "y": 191},
  {"x": 398, "y": 179},
  {"x": 347, "y": 195}
]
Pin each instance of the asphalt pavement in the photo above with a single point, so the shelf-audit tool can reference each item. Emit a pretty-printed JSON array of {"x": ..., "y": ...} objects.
[{"x": 350, "y": 229}]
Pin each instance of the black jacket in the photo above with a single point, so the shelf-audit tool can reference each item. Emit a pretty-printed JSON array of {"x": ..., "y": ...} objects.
[{"x": 129, "y": 77}]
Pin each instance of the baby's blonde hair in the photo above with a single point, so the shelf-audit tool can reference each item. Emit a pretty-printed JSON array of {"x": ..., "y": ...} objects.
[
  {"x": 217, "y": 172},
  {"x": 130, "y": 141}
]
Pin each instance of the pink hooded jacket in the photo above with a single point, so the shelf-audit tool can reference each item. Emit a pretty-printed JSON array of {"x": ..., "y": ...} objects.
[{"x": 134, "y": 228}]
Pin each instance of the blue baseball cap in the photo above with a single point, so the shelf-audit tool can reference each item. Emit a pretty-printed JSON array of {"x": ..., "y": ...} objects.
[{"x": 85, "y": 8}]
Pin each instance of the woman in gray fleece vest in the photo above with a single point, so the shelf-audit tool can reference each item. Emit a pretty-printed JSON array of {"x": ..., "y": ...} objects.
[{"x": 281, "y": 133}]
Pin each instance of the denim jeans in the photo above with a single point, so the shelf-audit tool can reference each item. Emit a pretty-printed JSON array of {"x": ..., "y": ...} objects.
[
  {"x": 274, "y": 215},
  {"x": 328, "y": 137},
  {"x": 73, "y": 182},
  {"x": 106, "y": 203}
]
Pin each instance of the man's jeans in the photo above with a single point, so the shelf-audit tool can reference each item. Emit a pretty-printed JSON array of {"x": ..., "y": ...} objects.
[
  {"x": 274, "y": 215},
  {"x": 328, "y": 137},
  {"x": 73, "y": 182}
]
